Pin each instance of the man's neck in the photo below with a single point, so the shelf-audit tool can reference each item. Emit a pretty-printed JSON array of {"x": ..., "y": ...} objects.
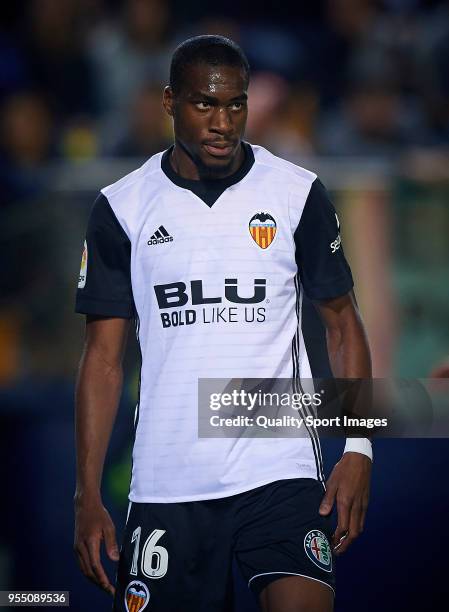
[{"x": 183, "y": 164}]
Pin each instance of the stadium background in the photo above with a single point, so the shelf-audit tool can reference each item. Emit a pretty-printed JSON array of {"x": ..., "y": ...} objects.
[{"x": 356, "y": 90}]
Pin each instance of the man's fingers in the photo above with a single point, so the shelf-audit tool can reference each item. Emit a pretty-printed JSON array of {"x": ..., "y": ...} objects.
[
  {"x": 338, "y": 546},
  {"x": 339, "y": 537},
  {"x": 86, "y": 567},
  {"x": 81, "y": 563},
  {"x": 343, "y": 510},
  {"x": 364, "y": 509},
  {"x": 93, "y": 547},
  {"x": 328, "y": 499},
  {"x": 363, "y": 515},
  {"x": 344, "y": 543},
  {"x": 111, "y": 543},
  {"x": 354, "y": 521},
  {"x": 83, "y": 558},
  {"x": 94, "y": 563},
  {"x": 353, "y": 531}
]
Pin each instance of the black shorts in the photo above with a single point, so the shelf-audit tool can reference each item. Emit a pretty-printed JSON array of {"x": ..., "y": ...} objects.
[{"x": 177, "y": 557}]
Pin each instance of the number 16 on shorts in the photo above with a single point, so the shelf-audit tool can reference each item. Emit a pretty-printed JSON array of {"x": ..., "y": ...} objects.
[{"x": 154, "y": 561}]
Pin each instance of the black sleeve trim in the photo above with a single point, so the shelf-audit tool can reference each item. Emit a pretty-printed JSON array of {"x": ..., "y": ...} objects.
[
  {"x": 87, "y": 305},
  {"x": 323, "y": 269},
  {"x": 107, "y": 290}
]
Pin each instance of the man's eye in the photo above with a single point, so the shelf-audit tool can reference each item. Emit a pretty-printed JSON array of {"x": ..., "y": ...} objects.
[
  {"x": 237, "y": 105},
  {"x": 202, "y": 105}
]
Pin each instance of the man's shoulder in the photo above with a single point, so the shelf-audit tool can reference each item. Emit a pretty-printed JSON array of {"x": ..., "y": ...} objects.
[
  {"x": 133, "y": 181},
  {"x": 289, "y": 171}
]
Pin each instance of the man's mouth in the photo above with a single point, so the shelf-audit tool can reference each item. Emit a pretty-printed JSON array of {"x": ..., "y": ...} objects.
[{"x": 218, "y": 149}]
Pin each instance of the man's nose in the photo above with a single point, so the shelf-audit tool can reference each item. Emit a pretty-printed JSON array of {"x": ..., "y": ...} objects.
[{"x": 221, "y": 121}]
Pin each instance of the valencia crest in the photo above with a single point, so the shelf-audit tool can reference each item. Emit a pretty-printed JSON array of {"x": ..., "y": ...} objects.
[
  {"x": 262, "y": 227},
  {"x": 137, "y": 596}
]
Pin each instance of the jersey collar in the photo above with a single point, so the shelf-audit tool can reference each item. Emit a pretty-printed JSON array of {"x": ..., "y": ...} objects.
[{"x": 208, "y": 190}]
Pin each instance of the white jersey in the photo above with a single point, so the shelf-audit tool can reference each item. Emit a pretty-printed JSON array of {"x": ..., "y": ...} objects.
[{"x": 213, "y": 273}]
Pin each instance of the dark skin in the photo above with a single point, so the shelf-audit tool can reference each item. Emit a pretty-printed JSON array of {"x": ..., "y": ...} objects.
[
  {"x": 209, "y": 119},
  {"x": 209, "y": 116}
]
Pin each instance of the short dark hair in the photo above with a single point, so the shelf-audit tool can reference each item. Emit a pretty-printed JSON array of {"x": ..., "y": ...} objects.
[{"x": 206, "y": 49}]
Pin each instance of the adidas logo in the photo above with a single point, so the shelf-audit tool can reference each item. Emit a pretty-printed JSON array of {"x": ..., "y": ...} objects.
[{"x": 160, "y": 236}]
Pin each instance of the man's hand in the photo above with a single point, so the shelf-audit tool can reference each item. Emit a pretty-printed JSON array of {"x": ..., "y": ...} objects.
[
  {"x": 349, "y": 482},
  {"x": 92, "y": 525}
]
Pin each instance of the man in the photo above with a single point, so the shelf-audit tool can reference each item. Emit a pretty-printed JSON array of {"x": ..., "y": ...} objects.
[{"x": 209, "y": 247}]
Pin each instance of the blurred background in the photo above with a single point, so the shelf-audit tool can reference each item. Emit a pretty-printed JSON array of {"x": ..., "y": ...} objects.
[{"x": 355, "y": 90}]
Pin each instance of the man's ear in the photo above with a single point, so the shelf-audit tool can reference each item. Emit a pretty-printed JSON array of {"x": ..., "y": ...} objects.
[{"x": 168, "y": 100}]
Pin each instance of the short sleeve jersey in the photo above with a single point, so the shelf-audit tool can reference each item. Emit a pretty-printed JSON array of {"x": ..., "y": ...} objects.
[{"x": 214, "y": 273}]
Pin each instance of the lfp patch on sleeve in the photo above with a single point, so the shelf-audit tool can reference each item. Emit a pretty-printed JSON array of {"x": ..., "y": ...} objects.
[
  {"x": 318, "y": 550},
  {"x": 137, "y": 596},
  {"x": 83, "y": 269}
]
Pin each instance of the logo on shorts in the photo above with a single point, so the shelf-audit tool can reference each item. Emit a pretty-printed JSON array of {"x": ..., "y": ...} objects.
[
  {"x": 137, "y": 596},
  {"x": 318, "y": 550},
  {"x": 262, "y": 228}
]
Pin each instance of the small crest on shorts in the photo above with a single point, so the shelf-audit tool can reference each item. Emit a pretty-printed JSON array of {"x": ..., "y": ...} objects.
[
  {"x": 137, "y": 596},
  {"x": 262, "y": 227},
  {"x": 318, "y": 550}
]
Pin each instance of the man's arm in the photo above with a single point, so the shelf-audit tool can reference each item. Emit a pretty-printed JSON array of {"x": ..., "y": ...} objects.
[
  {"x": 349, "y": 357},
  {"x": 98, "y": 391},
  {"x": 347, "y": 343}
]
